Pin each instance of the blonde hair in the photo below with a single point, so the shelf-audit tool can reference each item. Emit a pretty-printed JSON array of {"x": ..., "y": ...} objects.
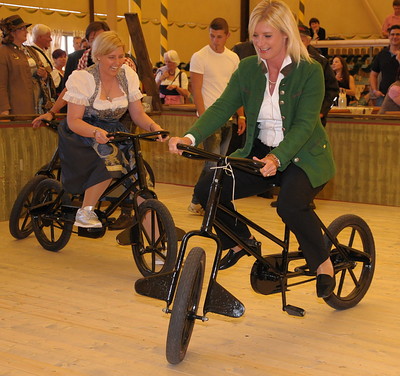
[
  {"x": 278, "y": 15},
  {"x": 105, "y": 43}
]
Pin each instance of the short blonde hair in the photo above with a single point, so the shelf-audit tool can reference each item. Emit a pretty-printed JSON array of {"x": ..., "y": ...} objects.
[
  {"x": 105, "y": 43},
  {"x": 278, "y": 15},
  {"x": 172, "y": 56}
]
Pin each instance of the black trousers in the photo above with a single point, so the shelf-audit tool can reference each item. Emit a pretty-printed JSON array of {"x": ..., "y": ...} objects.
[{"x": 295, "y": 196}]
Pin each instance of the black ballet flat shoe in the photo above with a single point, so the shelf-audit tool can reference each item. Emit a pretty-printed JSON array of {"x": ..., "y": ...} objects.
[
  {"x": 232, "y": 257},
  {"x": 325, "y": 285}
]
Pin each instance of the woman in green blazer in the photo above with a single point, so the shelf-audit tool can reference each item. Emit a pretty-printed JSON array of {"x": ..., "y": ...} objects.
[{"x": 281, "y": 90}]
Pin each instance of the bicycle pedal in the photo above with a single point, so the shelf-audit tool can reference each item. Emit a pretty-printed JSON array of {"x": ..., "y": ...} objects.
[
  {"x": 294, "y": 311},
  {"x": 91, "y": 232}
]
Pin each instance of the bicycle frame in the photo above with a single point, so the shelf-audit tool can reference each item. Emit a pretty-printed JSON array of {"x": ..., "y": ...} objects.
[
  {"x": 218, "y": 299},
  {"x": 138, "y": 188}
]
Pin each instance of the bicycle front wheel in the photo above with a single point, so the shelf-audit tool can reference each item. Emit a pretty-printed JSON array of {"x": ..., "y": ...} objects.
[
  {"x": 155, "y": 246},
  {"x": 185, "y": 307}
]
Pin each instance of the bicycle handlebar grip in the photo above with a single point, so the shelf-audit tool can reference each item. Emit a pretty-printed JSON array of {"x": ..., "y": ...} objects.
[{"x": 150, "y": 136}]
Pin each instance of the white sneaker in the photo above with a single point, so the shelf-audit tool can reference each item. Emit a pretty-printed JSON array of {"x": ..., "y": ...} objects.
[
  {"x": 196, "y": 209},
  {"x": 87, "y": 218}
]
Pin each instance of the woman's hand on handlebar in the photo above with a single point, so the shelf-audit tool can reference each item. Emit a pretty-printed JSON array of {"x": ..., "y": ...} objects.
[
  {"x": 178, "y": 140},
  {"x": 270, "y": 167},
  {"x": 100, "y": 136},
  {"x": 37, "y": 122},
  {"x": 154, "y": 127}
]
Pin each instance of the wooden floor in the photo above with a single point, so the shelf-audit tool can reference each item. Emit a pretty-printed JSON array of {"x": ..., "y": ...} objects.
[{"x": 75, "y": 312}]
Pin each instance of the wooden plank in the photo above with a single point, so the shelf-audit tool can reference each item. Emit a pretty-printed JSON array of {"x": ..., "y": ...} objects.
[
  {"x": 75, "y": 312},
  {"x": 145, "y": 69}
]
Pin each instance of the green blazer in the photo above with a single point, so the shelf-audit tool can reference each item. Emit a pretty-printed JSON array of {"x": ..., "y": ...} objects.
[{"x": 301, "y": 92}]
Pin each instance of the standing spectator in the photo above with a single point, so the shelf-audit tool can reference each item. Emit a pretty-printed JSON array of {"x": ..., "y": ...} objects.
[
  {"x": 21, "y": 71},
  {"x": 81, "y": 58},
  {"x": 386, "y": 64},
  {"x": 331, "y": 84},
  {"x": 172, "y": 82},
  {"x": 210, "y": 71},
  {"x": 84, "y": 44},
  {"x": 318, "y": 33},
  {"x": 393, "y": 19},
  {"x": 243, "y": 50},
  {"x": 77, "y": 43},
  {"x": 41, "y": 37},
  {"x": 60, "y": 59},
  {"x": 344, "y": 78}
]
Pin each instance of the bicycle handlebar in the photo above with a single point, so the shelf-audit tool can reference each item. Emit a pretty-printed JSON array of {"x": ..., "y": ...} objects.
[
  {"x": 150, "y": 136},
  {"x": 50, "y": 123},
  {"x": 245, "y": 164}
]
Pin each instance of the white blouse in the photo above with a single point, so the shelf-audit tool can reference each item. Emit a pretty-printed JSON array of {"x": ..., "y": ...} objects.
[
  {"x": 269, "y": 117},
  {"x": 175, "y": 81},
  {"x": 81, "y": 86}
]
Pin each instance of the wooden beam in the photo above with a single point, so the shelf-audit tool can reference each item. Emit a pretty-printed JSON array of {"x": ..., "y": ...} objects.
[
  {"x": 145, "y": 68},
  {"x": 244, "y": 19},
  {"x": 91, "y": 10}
]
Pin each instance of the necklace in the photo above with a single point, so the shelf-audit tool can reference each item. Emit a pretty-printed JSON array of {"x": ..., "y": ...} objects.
[
  {"x": 272, "y": 82},
  {"x": 107, "y": 92}
]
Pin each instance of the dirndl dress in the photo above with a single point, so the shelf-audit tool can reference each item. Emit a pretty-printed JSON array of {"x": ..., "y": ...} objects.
[{"x": 84, "y": 162}]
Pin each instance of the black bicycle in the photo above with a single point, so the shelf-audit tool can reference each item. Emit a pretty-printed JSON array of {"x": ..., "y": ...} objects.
[
  {"x": 153, "y": 235},
  {"x": 348, "y": 238},
  {"x": 20, "y": 223}
]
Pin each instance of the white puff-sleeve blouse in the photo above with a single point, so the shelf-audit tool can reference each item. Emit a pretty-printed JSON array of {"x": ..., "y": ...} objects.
[{"x": 81, "y": 86}]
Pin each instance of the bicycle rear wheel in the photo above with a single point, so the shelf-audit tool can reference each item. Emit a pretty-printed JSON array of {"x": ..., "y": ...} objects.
[
  {"x": 185, "y": 307},
  {"x": 20, "y": 223},
  {"x": 51, "y": 229},
  {"x": 355, "y": 265},
  {"x": 154, "y": 248}
]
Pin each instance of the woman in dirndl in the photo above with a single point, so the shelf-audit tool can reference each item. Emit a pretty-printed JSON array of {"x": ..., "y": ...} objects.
[{"x": 97, "y": 98}]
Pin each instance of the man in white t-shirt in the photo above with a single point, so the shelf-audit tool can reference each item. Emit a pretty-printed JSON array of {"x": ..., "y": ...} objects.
[{"x": 210, "y": 71}]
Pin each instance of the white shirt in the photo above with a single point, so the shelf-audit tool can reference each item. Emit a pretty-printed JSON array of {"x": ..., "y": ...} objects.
[
  {"x": 216, "y": 68},
  {"x": 183, "y": 78},
  {"x": 269, "y": 117},
  {"x": 81, "y": 86}
]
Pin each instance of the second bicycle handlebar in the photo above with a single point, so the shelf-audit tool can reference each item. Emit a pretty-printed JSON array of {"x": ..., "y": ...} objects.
[{"x": 149, "y": 136}]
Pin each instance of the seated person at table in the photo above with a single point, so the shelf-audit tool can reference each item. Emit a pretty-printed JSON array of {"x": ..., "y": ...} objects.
[{"x": 344, "y": 78}]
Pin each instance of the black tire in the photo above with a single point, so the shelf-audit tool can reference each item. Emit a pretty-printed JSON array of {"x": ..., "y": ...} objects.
[
  {"x": 154, "y": 252},
  {"x": 185, "y": 307},
  {"x": 354, "y": 272},
  {"x": 51, "y": 231},
  {"x": 20, "y": 223}
]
